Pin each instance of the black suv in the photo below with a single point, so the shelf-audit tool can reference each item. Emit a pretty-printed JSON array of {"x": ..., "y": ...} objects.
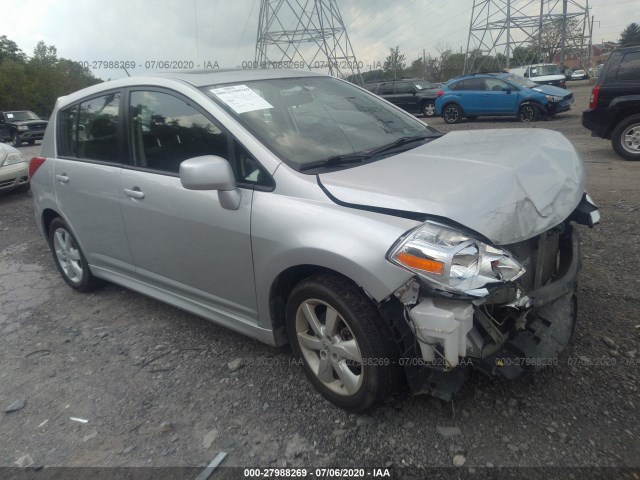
[
  {"x": 614, "y": 107},
  {"x": 410, "y": 94},
  {"x": 21, "y": 126}
]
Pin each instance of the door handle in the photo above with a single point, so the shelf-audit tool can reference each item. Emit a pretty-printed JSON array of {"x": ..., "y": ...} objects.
[
  {"x": 62, "y": 178},
  {"x": 134, "y": 193}
]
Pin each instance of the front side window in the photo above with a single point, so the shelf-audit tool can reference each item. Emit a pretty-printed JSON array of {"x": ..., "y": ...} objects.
[
  {"x": 165, "y": 130},
  {"x": 495, "y": 85},
  {"x": 309, "y": 119},
  {"x": 404, "y": 87},
  {"x": 89, "y": 130}
]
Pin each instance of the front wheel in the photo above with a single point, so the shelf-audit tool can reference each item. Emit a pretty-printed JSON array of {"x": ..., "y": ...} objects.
[
  {"x": 69, "y": 258},
  {"x": 16, "y": 139},
  {"x": 528, "y": 113},
  {"x": 625, "y": 138},
  {"x": 343, "y": 343},
  {"x": 452, "y": 113},
  {"x": 429, "y": 109}
]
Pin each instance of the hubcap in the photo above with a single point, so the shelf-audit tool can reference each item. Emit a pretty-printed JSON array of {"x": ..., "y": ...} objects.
[
  {"x": 429, "y": 109},
  {"x": 68, "y": 255},
  {"x": 329, "y": 347},
  {"x": 631, "y": 139}
]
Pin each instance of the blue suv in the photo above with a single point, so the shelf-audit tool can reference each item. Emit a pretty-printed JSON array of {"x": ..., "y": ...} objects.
[{"x": 500, "y": 95}]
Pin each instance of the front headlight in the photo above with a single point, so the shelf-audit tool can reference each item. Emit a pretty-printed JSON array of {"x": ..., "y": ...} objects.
[
  {"x": 554, "y": 98},
  {"x": 23, "y": 128},
  {"x": 12, "y": 159},
  {"x": 454, "y": 261}
]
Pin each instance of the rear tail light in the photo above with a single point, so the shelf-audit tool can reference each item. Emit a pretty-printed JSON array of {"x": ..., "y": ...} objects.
[
  {"x": 35, "y": 164},
  {"x": 593, "y": 101},
  {"x": 440, "y": 93}
]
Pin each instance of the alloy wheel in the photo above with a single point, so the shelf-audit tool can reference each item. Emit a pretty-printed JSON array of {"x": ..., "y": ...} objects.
[{"x": 68, "y": 255}]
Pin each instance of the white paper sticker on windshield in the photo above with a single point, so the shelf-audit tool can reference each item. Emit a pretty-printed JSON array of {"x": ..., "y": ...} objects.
[
  {"x": 241, "y": 98},
  {"x": 9, "y": 115}
]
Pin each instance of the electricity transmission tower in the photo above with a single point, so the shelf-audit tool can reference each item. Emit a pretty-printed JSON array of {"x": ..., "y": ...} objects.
[
  {"x": 305, "y": 34},
  {"x": 506, "y": 33}
]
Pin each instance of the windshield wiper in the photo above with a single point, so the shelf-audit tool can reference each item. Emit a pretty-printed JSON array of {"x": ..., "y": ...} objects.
[
  {"x": 361, "y": 157},
  {"x": 398, "y": 143},
  {"x": 336, "y": 161}
]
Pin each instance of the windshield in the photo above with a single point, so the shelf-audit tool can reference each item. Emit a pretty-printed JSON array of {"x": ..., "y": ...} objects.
[
  {"x": 520, "y": 81},
  {"x": 545, "y": 70},
  {"x": 307, "y": 119},
  {"x": 423, "y": 85},
  {"x": 21, "y": 116}
]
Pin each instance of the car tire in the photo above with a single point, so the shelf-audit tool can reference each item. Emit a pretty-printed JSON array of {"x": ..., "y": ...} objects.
[
  {"x": 15, "y": 138},
  {"x": 451, "y": 113},
  {"x": 69, "y": 259},
  {"x": 429, "y": 109},
  {"x": 528, "y": 113},
  {"x": 32, "y": 142},
  {"x": 625, "y": 138},
  {"x": 343, "y": 343}
]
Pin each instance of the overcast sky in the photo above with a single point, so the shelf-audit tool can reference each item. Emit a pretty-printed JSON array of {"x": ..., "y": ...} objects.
[{"x": 224, "y": 31}]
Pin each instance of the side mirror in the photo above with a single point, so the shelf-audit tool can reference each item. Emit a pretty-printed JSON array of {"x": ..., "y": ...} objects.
[{"x": 210, "y": 172}]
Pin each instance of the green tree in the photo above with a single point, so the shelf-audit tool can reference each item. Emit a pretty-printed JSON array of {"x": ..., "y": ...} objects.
[
  {"x": 9, "y": 51},
  {"x": 35, "y": 83},
  {"x": 630, "y": 35},
  {"x": 394, "y": 63}
]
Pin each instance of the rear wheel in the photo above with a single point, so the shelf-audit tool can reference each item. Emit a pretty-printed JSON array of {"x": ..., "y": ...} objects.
[
  {"x": 69, "y": 258},
  {"x": 625, "y": 138},
  {"x": 344, "y": 345},
  {"x": 451, "y": 113},
  {"x": 429, "y": 109}
]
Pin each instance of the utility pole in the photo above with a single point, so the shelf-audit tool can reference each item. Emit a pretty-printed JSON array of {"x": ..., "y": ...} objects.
[
  {"x": 424, "y": 63},
  {"x": 563, "y": 39},
  {"x": 508, "y": 32}
]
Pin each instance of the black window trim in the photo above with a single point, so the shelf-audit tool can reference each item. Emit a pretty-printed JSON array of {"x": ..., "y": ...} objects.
[
  {"x": 230, "y": 137},
  {"x": 120, "y": 129}
]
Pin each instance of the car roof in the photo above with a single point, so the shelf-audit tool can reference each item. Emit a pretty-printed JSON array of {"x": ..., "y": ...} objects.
[
  {"x": 193, "y": 78},
  {"x": 203, "y": 78}
]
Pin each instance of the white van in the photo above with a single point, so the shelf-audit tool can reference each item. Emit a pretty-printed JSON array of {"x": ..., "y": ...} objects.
[{"x": 542, "y": 74}]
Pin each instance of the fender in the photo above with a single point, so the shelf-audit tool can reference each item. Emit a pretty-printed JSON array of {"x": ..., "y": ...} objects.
[{"x": 624, "y": 99}]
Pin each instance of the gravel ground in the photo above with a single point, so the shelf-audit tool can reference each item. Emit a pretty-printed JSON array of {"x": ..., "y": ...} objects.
[{"x": 160, "y": 387}]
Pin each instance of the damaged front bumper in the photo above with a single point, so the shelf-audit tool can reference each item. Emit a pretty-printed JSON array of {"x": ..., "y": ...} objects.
[{"x": 510, "y": 334}]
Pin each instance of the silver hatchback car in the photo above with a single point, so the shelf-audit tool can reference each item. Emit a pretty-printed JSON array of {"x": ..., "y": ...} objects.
[{"x": 297, "y": 208}]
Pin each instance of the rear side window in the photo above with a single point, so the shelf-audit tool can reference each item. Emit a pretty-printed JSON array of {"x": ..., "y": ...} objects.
[
  {"x": 165, "y": 130},
  {"x": 89, "y": 130},
  {"x": 387, "y": 88},
  {"x": 629, "y": 69},
  {"x": 470, "y": 84}
]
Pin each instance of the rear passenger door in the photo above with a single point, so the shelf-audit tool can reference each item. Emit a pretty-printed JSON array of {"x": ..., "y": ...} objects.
[
  {"x": 87, "y": 175},
  {"x": 182, "y": 240},
  {"x": 470, "y": 92}
]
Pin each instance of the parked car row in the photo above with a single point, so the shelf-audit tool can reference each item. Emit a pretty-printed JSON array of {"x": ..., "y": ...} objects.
[{"x": 472, "y": 96}]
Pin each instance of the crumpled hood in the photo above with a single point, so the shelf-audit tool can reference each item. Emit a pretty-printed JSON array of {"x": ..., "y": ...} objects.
[
  {"x": 508, "y": 185},
  {"x": 552, "y": 90}
]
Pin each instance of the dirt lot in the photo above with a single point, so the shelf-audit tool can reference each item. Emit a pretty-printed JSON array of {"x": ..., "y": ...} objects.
[{"x": 128, "y": 364}]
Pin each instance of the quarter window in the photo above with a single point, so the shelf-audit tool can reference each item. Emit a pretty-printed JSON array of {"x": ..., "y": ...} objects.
[
  {"x": 165, "y": 130},
  {"x": 629, "y": 69},
  {"x": 89, "y": 130}
]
